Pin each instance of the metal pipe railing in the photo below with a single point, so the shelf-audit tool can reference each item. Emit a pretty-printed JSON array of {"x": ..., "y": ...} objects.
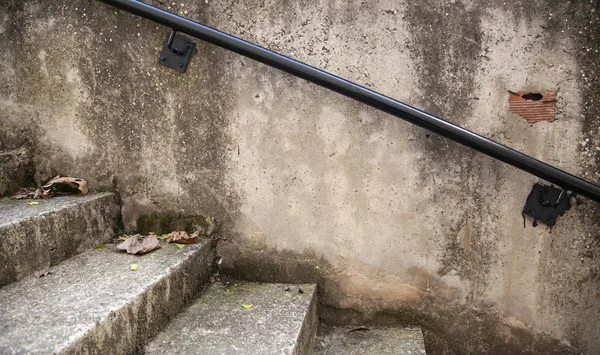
[{"x": 386, "y": 104}]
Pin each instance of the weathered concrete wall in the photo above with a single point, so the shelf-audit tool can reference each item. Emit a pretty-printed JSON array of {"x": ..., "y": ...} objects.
[{"x": 395, "y": 223}]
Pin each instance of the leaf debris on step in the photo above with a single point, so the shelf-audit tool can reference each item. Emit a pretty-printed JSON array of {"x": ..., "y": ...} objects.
[
  {"x": 64, "y": 186},
  {"x": 179, "y": 245},
  {"x": 134, "y": 267},
  {"x": 247, "y": 306},
  {"x": 99, "y": 246},
  {"x": 133, "y": 245},
  {"x": 57, "y": 186},
  {"x": 28, "y": 193},
  {"x": 182, "y": 237},
  {"x": 359, "y": 329},
  {"x": 33, "y": 203}
]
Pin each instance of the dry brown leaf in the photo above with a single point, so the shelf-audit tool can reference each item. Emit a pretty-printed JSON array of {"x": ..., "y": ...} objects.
[
  {"x": 182, "y": 237},
  {"x": 39, "y": 193},
  {"x": 358, "y": 329},
  {"x": 28, "y": 193},
  {"x": 150, "y": 243},
  {"x": 64, "y": 186},
  {"x": 133, "y": 245},
  {"x": 23, "y": 195}
]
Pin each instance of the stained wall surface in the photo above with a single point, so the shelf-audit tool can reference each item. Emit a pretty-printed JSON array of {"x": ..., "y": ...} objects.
[{"x": 394, "y": 222}]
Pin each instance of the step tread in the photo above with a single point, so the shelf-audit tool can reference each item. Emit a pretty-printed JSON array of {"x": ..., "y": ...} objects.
[
  {"x": 57, "y": 312},
  {"x": 218, "y": 324},
  {"x": 15, "y": 211},
  {"x": 357, "y": 341}
]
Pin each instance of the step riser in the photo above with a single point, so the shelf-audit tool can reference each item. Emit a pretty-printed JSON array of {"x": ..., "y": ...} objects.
[
  {"x": 32, "y": 244},
  {"x": 308, "y": 333},
  {"x": 128, "y": 330}
]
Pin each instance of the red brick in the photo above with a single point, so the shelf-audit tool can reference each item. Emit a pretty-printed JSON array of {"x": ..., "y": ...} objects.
[{"x": 533, "y": 111}]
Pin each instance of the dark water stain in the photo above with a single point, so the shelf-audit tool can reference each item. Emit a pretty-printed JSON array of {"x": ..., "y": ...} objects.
[
  {"x": 446, "y": 44},
  {"x": 133, "y": 111}
]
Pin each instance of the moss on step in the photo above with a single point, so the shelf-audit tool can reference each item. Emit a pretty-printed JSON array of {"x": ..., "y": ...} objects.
[{"x": 167, "y": 222}]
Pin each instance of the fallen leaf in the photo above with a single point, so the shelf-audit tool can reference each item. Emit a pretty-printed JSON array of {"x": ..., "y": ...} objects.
[
  {"x": 182, "y": 237},
  {"x": 123, "y": 237},
  {"x": 134, "y": 267},
  {"x": 162, "y": 236},
  {"x": 21, "y": 195},
  {"x": 99, "y": 246},
  {"x": 180, "y": 245},
  {"x": 247, "y": 306},
  {"x": 28, "y": 193},
  {"x": 133, "y": 246},
  {"x": 33, "y": 203},
  {"x": 359, "y": 329},
  {"x": 64, "y": 186}
]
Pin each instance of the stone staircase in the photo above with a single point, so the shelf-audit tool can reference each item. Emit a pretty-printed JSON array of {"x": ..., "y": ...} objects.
[{"x": 59, "y": 295}]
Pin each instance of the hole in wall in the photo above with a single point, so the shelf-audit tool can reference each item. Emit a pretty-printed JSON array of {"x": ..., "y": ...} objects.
[{"x": 534, "y": 96}]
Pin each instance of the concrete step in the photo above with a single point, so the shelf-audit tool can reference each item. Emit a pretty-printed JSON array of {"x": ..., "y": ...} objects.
[
  {"x": 360, "y": 341},
  {"x": 34, "y": 237},
  {"x": 282, "y": 320},
  {"x": 94, "y": 304}
]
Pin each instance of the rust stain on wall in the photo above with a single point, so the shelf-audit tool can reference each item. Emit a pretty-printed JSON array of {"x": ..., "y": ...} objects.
[{"x": 533, "y": 106}]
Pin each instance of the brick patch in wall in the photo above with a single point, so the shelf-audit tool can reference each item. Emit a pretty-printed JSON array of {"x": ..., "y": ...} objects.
[{"x": 533, "y": 106}]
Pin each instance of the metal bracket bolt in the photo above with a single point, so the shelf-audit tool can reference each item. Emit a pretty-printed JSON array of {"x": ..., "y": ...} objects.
[{"x": 176, "y": 52}]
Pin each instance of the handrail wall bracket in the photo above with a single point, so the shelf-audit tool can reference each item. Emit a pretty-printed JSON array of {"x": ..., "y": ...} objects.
[{"x": 176, "y": 52}]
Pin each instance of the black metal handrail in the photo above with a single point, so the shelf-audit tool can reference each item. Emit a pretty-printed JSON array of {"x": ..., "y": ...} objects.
[{"x": 381, "y": 102}]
